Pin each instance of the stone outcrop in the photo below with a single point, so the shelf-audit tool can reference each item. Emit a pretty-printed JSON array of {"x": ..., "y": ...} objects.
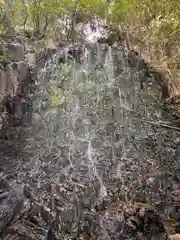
[
  {"x": 15, "y": 89},
  {"x": 15, "y": 79},
  {"x": 15, "y": 51}
]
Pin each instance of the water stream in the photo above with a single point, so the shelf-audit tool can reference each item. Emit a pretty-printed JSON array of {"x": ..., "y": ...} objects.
[{"x": 90, "y": 140}]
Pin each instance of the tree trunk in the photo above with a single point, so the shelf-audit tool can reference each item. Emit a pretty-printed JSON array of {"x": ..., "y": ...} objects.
[
  {"x": 73, "y": 22},
  {"x": 45, "y": 27},
  {"x": 36, "y": 17}
]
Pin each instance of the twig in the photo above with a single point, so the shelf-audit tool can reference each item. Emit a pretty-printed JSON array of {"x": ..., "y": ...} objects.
[
  {"x": 161, "y": 125},
  {"x": 3, "y": 18}
]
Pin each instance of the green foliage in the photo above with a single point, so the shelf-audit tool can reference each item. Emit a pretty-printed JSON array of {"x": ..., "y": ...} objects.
[
  {"x": 5, "y": 17},
  {"x": 152, "y": 24},
  {"x": 4, "y": 58},
  {"x": 161, "y": 17},
  {"x": 57, "y": 97},
  {"x": 121, "y": 10},
  {"x": 87, "y": 86},
  {"x": 36, "y": 14},
  {"x": 93, "y": 8},
  {"x": 157, "y": 22}
]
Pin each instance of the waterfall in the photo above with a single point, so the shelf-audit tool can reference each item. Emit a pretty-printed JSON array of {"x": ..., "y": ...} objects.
[{"x": 89, "y": 138}]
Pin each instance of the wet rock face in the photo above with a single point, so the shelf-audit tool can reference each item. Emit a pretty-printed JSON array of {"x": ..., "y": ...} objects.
[
  {"x": 110, "y": 40},
  {"x": 77, "y": 53},
  {"x": 15, "y": 87},
  {"x": 80, "y": 187},
  {"x": 62, "y": 53}
]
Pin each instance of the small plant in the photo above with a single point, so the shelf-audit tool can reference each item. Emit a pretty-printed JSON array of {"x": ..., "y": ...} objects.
[
  {"x": 87, "y": 86},
  {"x": 4, "y": 58},
  {"x": 57, "y": 97}
]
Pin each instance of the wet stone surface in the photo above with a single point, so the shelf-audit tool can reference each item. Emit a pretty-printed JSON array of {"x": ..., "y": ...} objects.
[{"x": 95, "y": 139}]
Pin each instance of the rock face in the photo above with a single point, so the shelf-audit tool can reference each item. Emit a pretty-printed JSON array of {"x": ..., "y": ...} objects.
[
  {"x": 44, "y": 56},
  {"x": 170, "y": 88},
  {"x": 15, "y": 82},
  {"x": 63, "y": 53},
  {"x": 15, "y": 51}
]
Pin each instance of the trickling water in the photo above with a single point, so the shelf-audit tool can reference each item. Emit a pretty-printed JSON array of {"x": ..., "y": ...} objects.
[
  {"x": 90, "y": 139},
  {"x": 93, "y": 35},
  {"x": 109, "y": 68},
  {"x": 92, "y": 164}
]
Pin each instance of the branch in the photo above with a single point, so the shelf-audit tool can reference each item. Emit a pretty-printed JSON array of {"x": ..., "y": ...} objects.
[
  {"x": 2, "y": 20},
  {"x": 161, "y": 125},
  {"x": 45, "y": 27}
]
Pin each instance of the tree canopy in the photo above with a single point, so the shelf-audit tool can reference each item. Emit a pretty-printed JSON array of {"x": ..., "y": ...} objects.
[{"x": 150, "y": 22}]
